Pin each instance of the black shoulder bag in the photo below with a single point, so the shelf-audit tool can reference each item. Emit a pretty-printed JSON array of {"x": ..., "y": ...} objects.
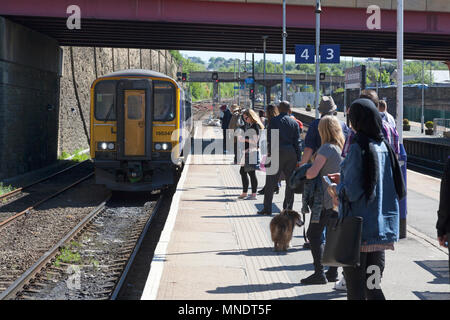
[{"x": 343, "y": 240}]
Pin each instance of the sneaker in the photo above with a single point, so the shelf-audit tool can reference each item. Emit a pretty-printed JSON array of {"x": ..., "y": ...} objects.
[
  {"x": 242, "y": 196},
  {"x": 315, "y": 278},
  {"x": 251, "y": 197},
  {"x": 341, "y": 285}
]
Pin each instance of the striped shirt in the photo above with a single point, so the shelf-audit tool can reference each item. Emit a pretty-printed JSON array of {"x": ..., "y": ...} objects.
[{"x": 389, "y": 133}]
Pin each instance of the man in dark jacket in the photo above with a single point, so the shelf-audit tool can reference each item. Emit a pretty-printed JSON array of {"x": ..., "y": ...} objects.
[
  {"x": 290, "y": 154},
  {"x": 225, "y": 119},
  {"x": 443, "y": 223}
]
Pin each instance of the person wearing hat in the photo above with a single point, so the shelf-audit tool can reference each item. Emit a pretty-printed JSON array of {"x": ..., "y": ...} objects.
[
  {"x": 225, "y": 117},
  {"x": 312, "y": 139}
]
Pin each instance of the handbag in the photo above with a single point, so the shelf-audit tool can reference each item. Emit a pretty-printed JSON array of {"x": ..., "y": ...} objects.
[{"x": 343, "y": 241}]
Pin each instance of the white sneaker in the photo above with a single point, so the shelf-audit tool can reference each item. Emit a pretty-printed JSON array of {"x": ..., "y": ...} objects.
[{"x": 341, "y": 285}]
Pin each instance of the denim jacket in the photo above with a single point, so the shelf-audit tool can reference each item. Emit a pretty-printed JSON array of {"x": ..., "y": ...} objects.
[
  {"x": 381, "y": 215},
  {"x": 312, "y": 198}
]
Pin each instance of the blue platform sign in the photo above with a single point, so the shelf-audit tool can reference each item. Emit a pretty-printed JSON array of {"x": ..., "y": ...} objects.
[
  {"x": 249, "y": 80},
  {"x": 330, "y": 53},
  {"x": 288, "y": 80},
  {"x": 304, "y": 53}
]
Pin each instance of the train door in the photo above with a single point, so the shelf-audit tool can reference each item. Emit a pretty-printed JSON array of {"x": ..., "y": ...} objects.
[
  {"x": 134, "y": 123},
  {"x": 135, "y": 119}
]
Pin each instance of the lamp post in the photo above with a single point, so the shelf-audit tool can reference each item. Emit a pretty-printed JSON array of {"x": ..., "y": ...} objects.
[
  {"x": 318, "y": 11},
  {"x": 423, "y": 96},
  {"x": 264, "y": 75},
  {"x": 283, "y": 96},
  {"x": 402, "y": 157}
]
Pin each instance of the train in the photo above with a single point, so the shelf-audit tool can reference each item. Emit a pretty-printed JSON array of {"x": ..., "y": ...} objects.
[{"x": 139, "y": 122}]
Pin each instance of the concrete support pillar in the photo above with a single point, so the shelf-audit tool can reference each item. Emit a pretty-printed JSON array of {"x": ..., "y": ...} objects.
[{"x": 29, "y": 99}]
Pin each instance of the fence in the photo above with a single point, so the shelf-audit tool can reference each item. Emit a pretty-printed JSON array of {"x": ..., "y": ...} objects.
[{"x": 441, "y": 126}]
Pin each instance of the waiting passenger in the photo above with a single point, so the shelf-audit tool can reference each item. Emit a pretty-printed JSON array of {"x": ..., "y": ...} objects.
[
  {"x": 443, "y": 223},
  {"x": 225, "y": 117},
  {"x": 272, "y": 111},
  {"x": 289, "y": 155},
  {"x": 327, "y": 161},
  {"x": 250, "y": 158},
  {"x": 370, "y": 185},
  {"x": 385, "y": 115}
]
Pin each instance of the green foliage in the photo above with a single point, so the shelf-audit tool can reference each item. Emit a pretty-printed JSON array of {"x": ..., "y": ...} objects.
[
  {"x": 68, "y": 254},
  {"x": 5, "y": 189},
  {"x": 77, "y": 156},
  {"x": 338, "y": 90},
  {"x": 429, "y": 124}
]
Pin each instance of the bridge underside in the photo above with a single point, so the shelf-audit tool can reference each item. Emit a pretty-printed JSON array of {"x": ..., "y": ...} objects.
[{"x": 232, "y": 38}]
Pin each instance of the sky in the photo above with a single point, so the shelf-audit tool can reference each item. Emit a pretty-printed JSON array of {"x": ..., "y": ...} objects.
[{"x": 205, "y": 55}]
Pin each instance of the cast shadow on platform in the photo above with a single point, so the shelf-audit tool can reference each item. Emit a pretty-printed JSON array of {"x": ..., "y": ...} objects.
[
  {"x": 251, "y": 288},
  {"x": 263, "y": 251},
  {"x": 438, "y": 268},
  {"x": 427, "y": 295},
  {"x": 318, "y": 296},
  {"x": 306, "y": 267}
]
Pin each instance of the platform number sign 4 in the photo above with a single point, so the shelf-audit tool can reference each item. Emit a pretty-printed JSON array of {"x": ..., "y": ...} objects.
[
  {"x": 330, "y": 53},
  {"x": 304, "y": 53}
]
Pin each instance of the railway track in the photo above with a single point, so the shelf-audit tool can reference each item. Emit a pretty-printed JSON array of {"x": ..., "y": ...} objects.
[
  {"x": 102, "y": 248},
  {"x": 88, "y": 261},
  {"x": 7, "y": 197},
  {"x": 21, "y": 201}
]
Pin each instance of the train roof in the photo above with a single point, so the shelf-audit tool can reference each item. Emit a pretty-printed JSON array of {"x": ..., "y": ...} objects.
[{"x": 137, "y": 73}]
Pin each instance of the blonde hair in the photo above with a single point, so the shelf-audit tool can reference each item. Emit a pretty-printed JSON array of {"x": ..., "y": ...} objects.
[
  {"x": 254, "y": 117},
  {"x": 330, "y": 131}
]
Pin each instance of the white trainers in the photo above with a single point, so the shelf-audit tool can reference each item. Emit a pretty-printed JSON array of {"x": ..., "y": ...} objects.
[{"x": 341, "y": 285}]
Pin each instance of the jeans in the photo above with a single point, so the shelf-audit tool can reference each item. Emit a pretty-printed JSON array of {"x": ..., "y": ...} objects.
[
  {"x": 361, "y": 284},
  {"x": 315, "y": 236},
  {"x": 244, "y": 177}
]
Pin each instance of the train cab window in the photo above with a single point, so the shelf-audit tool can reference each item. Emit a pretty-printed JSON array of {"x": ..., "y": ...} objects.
[
  {"x": 164, "y": 101},
  {"x": 105, "y": 92}
]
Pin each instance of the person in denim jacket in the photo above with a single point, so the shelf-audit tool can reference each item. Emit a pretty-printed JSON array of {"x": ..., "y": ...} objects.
[{"x": 370, "y": 185}]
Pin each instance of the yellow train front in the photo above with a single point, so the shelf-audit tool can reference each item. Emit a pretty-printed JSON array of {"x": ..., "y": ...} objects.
[{"x": 139, "y": 121}]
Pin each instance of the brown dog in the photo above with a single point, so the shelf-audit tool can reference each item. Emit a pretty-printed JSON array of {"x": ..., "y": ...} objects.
[{"x": 281, "y": 228}]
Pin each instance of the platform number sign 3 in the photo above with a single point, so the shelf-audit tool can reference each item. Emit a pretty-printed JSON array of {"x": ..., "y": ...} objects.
[
  {"x": 304, "y": 53},
  {"x": 330, "y": 53}
]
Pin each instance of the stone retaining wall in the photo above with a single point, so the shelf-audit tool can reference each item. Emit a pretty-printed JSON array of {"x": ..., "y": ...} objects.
[{"x": 89, "y": 64}]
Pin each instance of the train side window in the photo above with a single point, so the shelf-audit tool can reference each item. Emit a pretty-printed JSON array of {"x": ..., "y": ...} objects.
[
  {"x": 105, "y": 106},
  {"x": 164, "y": 101}
]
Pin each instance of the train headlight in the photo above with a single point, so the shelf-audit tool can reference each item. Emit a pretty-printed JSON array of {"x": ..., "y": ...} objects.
[
  {"x": 106, "y": 146},
  {"x": 162, "y": 146}
]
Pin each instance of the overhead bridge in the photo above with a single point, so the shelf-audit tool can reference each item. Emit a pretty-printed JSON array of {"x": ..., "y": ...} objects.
[{"x": 239, "y": 25}]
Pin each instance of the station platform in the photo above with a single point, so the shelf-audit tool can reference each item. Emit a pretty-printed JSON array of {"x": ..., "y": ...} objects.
[{"x": 215, "y": 246}]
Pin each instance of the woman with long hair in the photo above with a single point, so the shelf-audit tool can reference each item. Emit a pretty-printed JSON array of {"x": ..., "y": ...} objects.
[
  {"x": 250, "y": 159},
  {"x": 370, "y": 185},
  {"x": 327, "y": 161},
  {"x": 271, "y": 112}
]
